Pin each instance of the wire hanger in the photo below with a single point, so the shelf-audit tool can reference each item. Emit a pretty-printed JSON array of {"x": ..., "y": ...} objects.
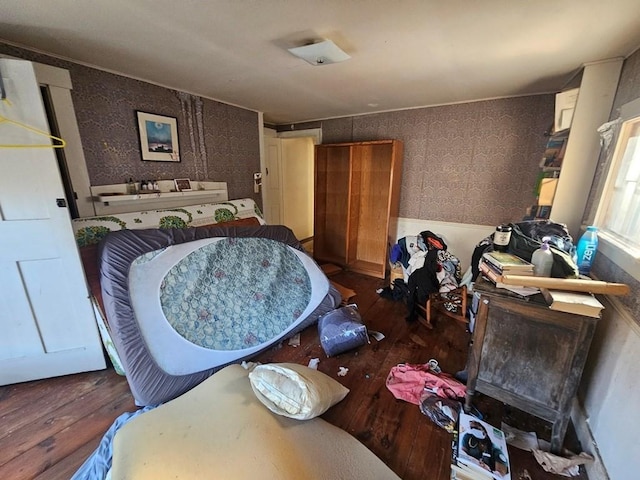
[{"x": 62, "y": 143}]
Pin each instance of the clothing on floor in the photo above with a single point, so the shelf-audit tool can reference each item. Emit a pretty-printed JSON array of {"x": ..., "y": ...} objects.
[{"x": 408, "y": 382}]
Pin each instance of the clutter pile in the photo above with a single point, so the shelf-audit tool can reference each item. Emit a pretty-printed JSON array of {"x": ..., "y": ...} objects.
[{"x": 427, "y": 267}]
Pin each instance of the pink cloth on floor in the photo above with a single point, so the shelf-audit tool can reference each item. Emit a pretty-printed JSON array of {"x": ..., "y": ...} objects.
[{"x": 407, "y": 381}]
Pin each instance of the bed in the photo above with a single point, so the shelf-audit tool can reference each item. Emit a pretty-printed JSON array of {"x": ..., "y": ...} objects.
[{"x": 181, "y": 303}]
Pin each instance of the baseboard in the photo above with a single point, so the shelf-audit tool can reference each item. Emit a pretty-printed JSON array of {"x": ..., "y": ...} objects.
[{"x": 596, "y": 469}]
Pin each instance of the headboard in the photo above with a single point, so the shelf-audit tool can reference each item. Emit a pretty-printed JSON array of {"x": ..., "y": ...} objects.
[{"x": 90, "y": 230}]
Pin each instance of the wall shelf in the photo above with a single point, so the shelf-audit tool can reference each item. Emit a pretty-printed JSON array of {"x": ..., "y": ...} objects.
[
  {"x": 153, "y": 196},
  {"x": 114, "y": 199}
]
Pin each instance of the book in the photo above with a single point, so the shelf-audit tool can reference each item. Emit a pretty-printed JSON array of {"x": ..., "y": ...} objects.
[
  {"x": 481, "y": 452},
  {"x": 555, "y": 150},
  {"x": 461, "y": 471},
  {"x": 500, "y": 272},
  {"x": 490, "y": 274},
  {"x": 520, "y": 290},
  {"x": 580, "y": 303},
  {"x": 508, "y": 263}
]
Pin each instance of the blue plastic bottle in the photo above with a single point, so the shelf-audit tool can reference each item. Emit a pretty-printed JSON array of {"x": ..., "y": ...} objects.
[{"x": 587, "y": 247}]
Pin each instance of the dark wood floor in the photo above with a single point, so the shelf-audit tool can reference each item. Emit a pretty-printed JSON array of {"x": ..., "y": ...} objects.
[{"x": 49, "y": 427}]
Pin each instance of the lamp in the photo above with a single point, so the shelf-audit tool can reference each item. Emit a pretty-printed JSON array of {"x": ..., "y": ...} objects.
[{"x": 321, "y": 53}]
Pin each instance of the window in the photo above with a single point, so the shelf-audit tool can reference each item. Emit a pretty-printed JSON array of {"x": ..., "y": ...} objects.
[{"x": 618, "y": 216}]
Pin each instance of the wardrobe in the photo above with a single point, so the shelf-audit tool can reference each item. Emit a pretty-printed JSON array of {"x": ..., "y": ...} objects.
[{"x": 357, "y": 198}]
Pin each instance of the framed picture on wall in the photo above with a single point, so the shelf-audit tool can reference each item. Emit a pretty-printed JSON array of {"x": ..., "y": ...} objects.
[
  {"x": 158, "y": 137},
  {"x": 183, "y": 184}
]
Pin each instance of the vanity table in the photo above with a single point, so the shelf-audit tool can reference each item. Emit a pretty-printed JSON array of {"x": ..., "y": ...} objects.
[{"x": 528, "y": 356}]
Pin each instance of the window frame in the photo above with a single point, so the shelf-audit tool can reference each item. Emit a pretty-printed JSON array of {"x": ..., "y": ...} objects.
[{"x": 617, "y": 250}]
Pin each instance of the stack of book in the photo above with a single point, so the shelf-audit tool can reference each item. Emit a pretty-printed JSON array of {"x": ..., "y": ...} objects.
[
  {"x": 495, "y": 264},
  {"x": 479, "y": 451},
  {"x": 580, "y": 303}
]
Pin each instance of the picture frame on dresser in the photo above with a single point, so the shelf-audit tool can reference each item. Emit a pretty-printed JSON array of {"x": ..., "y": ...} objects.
[
  {"x": 158, "y": 137},
  {"x": 183, "y": 185}
]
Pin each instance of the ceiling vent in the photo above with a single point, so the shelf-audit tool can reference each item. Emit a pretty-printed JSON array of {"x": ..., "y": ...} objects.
[{"x": 321, "y": 53}]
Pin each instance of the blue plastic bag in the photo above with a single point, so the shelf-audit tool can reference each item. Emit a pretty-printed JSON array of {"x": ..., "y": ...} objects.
[{"x": 341, "y": 330}]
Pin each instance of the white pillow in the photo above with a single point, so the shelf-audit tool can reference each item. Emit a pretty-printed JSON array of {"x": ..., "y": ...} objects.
[{"x": 295, "y": 391}]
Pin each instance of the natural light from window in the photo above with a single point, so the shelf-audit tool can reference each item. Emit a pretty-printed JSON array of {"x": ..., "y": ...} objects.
[{"x": 618, "y": 217}]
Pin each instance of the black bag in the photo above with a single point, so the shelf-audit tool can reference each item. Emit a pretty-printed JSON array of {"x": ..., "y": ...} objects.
[{"x": 523, "y": 246}]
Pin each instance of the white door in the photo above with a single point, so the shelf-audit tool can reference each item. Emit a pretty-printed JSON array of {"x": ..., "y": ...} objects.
[
  {"x": 47, "y": 326},
  {"x": 297, "y": 185},
  {"x": 272, "y": 181},
  {"x": 288, "y": 182}
]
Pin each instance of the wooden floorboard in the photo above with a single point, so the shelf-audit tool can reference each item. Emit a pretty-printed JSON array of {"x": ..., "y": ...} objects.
[
  {"x": 49, "y": 427},
  {"x": 65, "y": 468}
]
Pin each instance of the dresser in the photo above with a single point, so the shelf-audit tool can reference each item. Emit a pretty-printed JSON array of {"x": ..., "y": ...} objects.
[{"x": 527, "y": 356}]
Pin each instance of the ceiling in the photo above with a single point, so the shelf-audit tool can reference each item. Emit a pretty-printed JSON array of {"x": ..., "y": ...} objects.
[{"x": 404, "y": 53}]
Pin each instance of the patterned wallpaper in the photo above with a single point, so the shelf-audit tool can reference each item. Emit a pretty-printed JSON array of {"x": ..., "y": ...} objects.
[
  {"x": 474, "y": 163},
  {"x": 478, "y": 162},
  {"x": 218, "y": 142},
  {"x": 629, "y": 84}
]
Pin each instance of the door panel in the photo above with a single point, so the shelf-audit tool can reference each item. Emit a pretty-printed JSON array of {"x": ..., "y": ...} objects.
[
  {"x": 288, "y": 184},
  {"x": 273, "y": 210},
  {"x": 297, "y": 185},
  {"x": 46, "y": 319}
]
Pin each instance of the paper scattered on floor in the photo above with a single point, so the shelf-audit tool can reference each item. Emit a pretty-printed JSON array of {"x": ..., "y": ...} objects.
[
  {"x": 377, "y": 335},
  {"x": 249, "y": 365},
  {"x": 568, "y": 467},
  {"x": 342, "y": 372},
  {"x": 313, "y": 363},
  {"x": 295, "y": 340}
]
